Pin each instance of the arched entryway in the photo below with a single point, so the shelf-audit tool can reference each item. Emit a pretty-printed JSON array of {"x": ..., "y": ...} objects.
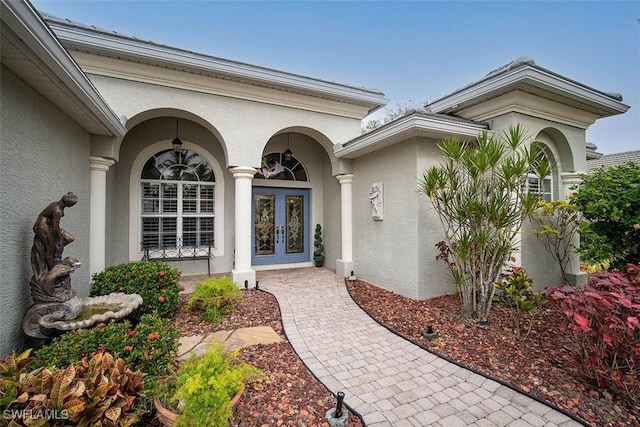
[
  {"x": 281, "y": 215},
  {"x": 288, "y": 196}
]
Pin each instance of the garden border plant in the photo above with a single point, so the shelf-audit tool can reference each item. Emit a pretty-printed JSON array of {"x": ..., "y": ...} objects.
[
  {"x": 603, "y": 319},
  {"x": 515, "y": 292},
  {"x": 150, "y": 346},
  {"x": 214, "y": 298},
  {"x": 557, "y": 227},
  {"x": 156, "y": 282},
  {"x": 205, "y": 386},
  {"x": 101, "y": 390}
]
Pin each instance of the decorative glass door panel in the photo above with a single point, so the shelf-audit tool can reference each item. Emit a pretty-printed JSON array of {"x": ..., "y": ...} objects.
[
  {"x": 264, "y": 224},
  {"x": 280, "y": 225},
  {"x": 295, "y": 224}
]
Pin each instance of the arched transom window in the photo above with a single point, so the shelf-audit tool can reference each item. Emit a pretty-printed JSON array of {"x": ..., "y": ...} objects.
[
  {"x": 281, "y": 166},
  {"x": 543, "y": 186},
  {"x": 177, "y": 201}
]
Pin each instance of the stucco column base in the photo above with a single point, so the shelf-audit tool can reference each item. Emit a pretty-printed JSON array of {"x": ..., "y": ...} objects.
[
  {"x": 343, "y": 268},
  {"x": 240, "y": 276},
  {"x": 577, "y": 279}
]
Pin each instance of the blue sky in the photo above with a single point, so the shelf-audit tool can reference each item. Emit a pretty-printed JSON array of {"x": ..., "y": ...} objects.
[{"x": 413, "y": 51}]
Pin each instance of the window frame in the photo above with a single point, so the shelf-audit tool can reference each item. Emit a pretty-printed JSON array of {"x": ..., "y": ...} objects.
[
  {"x": 541, "y": 183},
  {"x": 135, "y": 197}
]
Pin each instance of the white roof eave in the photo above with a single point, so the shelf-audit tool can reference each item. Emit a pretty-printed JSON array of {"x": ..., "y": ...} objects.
[
  {"x": 189, "y": 61},
  {"x": 604, "y": 105},
  {"x": 26, "y": 23},
  {"x": 403, "y": 129}
]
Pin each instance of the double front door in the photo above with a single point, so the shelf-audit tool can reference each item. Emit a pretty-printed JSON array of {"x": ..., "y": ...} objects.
[{"x": 280, "y": 225}]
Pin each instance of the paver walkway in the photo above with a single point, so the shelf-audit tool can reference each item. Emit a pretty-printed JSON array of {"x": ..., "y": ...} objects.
[{"x": 388, "y": 380}]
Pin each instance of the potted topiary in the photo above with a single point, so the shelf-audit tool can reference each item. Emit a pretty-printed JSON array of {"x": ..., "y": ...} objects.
[{"x": 318, "y": 254}]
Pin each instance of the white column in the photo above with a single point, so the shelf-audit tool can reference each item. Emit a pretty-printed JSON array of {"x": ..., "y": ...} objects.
[
  {"x": 344, "y": 265},
  {"x": 98, "y": 212},
  {"x": 570, "y": 180},
  {"x": 242, "y": 270}
]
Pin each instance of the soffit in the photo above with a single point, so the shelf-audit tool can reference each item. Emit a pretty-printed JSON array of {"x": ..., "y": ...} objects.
[{"x": 31, "y": 51}]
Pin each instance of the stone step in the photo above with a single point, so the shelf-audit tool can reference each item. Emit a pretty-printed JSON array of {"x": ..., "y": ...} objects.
[{"x": 232, "y": 340}]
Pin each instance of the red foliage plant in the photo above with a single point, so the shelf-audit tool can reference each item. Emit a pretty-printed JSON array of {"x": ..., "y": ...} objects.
[{"x": 604, "y": 319}]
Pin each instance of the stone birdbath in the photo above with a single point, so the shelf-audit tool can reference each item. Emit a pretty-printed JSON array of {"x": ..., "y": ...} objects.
[{"x": 56, "y": 308}]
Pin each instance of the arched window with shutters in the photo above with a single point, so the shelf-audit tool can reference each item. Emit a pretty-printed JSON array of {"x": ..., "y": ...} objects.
[
  {"x": 543, "y": 186},
  {"x": 177, "y": 201}
]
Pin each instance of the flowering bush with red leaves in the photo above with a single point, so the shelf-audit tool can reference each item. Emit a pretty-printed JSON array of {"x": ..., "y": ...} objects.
[{"x": 604, "y": 319}]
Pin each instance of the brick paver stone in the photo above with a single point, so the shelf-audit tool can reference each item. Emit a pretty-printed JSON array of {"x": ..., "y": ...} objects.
[{"x": 347, "y": 350}]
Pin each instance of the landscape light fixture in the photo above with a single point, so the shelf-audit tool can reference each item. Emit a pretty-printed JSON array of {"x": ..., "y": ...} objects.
[
  {"x": 177, "y": 143},
  {"x": 287, "y": 153}
]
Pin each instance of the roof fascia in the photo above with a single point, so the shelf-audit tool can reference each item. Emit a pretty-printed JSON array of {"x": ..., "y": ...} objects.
[
  {"x": 538, "y": 77},
  {"x": 25, "y": 22},
  {"x": 413, "y": 125},
  {"x": 121, "y": 47}
]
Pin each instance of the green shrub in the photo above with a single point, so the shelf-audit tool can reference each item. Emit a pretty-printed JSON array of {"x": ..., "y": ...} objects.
[
  {"x": 155, "y": 282},
  {"x": 214, "y": 297},
  {"x": 99, "y": 391},
  {"x": 514, "y": 290},
  {"x": 150, "y": 347},
  {"x": 205, "y": 386},
  {"x": 609, "y": 200}
]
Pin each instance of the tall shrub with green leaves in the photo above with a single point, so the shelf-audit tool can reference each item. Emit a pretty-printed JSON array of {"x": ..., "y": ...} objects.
[
  {"x": 609, "y": 200},
  {"x": 479, "y": 194}
]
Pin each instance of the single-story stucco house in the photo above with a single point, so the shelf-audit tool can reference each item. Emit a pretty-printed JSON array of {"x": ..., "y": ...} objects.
[{"x": 265, "y": 155}]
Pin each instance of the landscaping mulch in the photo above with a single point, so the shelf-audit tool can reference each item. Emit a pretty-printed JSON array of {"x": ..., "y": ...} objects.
[
  {"x": 537, "y": 364},
  {"x": 289, "y": 395}
]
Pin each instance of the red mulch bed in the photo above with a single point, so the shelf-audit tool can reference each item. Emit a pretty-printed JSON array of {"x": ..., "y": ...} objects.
[
  {"x": 290, "y": 395},
  {"x": 537, "y": 364}
]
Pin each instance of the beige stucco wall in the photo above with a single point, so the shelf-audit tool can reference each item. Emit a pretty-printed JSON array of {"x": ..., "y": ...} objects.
[
  {"x": 43, "y": 154},
  {"x": 433, "y": 278},
  {"x": 568, "y": 142},
  {"x": 400, "y": 254},
  {"x": 243, "y": 126},
  {"x": 385, "y": 252},
  {"x": 331, "y": 229},
  {"x": 538, "y": 262}
]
